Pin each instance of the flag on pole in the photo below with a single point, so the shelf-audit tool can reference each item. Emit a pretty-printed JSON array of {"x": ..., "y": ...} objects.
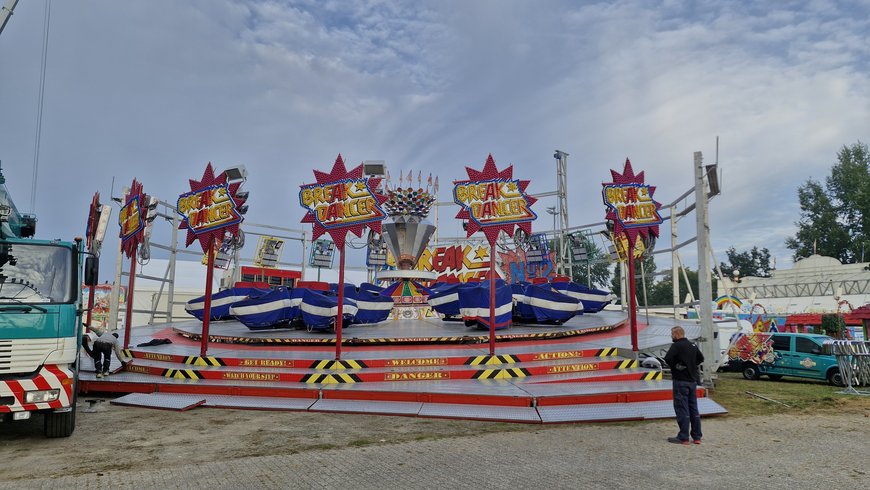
[
  {"x": 400, "y": 179},
  {"x": 435, "y": 189},
  {"x": 419, "y": 178},
  {"x": 410, "y": 178}
]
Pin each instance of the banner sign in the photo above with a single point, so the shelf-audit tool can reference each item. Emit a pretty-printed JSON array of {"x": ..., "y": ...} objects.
[
  {"x": 630, "y": 204},
  {"x": 268, "y": 252},
  {"x": 342, "y": 201},
  {"x": 211, "y": 209},
  {"x": 322, "y": 253},
  {"x": 131, "y": 219},
  {"x": 494, "y": 201},
  {"x": 518, "y": 266}
]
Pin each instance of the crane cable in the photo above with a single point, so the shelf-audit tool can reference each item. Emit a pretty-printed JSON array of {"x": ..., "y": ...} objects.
[{"x": 36, "y": 143}]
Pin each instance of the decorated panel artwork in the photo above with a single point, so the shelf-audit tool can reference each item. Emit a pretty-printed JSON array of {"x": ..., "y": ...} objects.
[
  {"x": 342, "y": 201},
  {"x": 210, "y": 210},
  {"x": 756, "y": 348},
  {"x": 131, "y": 219},
  {"x": 516, "y": 267},
  {"x": 493, "y": 201}
]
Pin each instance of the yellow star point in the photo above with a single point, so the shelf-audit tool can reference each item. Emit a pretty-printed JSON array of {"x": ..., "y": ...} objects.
[{"x": 481, "y": 253}]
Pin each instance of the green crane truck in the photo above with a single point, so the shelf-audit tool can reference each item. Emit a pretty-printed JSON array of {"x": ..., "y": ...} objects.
[{"x": 40, "y": 322}]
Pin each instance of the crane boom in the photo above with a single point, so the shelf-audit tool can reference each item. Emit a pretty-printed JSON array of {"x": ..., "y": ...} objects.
[{"x": 6, "y": 12}]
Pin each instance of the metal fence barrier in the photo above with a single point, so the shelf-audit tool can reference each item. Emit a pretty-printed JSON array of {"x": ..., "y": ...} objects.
[{"x": 853, "y": 359}]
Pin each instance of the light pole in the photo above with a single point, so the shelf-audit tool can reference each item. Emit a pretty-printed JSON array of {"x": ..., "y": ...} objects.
[{"x": 552, "y": 210}]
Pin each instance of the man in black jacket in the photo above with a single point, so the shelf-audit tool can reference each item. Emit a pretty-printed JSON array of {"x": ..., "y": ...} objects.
[{"x": 683, "y": 358}]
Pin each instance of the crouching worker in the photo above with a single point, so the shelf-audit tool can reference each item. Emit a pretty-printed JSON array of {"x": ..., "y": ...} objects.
[{"x": 101, "y": 349}]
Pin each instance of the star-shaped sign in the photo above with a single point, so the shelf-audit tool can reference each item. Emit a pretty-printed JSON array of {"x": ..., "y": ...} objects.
[
  {"x": 131, "y": 219},
  {"x": 630, "y": 204},
  {"x": 494, "y": 201},
  {"x": 210, "y": 210},
  {"x": 342, "y": 201}
]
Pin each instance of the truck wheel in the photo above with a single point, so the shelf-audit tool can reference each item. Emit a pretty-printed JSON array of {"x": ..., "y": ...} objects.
[
  {"x": 775, "y": 377},
  {"x": 60, "y": 424},
  {"x": 750, "y": 371},
  {"x": 835, "y": 377}
]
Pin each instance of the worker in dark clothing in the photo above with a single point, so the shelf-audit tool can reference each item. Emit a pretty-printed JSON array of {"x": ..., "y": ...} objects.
[
  {"x": 101, "y": 351},
  {"x": 684, "y": 358}
]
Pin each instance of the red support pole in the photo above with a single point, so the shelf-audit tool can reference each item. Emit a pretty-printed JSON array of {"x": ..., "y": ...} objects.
[
  {"x": 632, "y": 306},
  {"x": 129, "y": 316},
  {"x": 492, "y": 298},
  {"x": 340, "y": 318},
  {"x": 90, "y": 308},
  {"x": 206, "y": 309}
]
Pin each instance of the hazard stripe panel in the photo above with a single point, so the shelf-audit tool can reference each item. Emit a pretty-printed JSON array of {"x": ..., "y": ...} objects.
[
  {"x": 501, "y": 373},
  {"x": 607, "y": 352},
  {"x": 204, "y": 361},
  {"x": 49, "y": 377},
  {"x": 628, "y": 363},
  {"x": 491, "y": 360},
  {"x": 347, "y": 364},
  {"x": 330, "y": 378},
  {"x": 182, "y": 374}
]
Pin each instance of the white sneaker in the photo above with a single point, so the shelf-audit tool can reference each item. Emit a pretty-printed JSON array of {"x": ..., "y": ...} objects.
[{"x": 99, "y": 375}]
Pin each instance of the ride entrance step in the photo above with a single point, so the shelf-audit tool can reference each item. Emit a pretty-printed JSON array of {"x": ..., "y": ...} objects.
[
  {"x": 564, "y": 369},
  {"x": 388, "y": 359}
]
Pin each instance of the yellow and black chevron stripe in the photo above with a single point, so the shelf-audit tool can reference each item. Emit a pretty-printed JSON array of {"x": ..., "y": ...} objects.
[
  {"x": 501, "y": 373},
  {"x": 127, "y": 353},
  {"x": 332, "y": 364},
  {"x": 625, "y": 364},
  {"x": 182, "y": 374},
  {"x": 491, "y": 360},
  {"x": 651, "y": 376},
  {"x": 607, "y": 352},
  {"x": 204, "y": 361},
  {"x": 330, "y": 378}
]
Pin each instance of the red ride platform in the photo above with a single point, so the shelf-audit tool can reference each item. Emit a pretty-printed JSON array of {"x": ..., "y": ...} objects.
[{"x": 583, "y": 371}]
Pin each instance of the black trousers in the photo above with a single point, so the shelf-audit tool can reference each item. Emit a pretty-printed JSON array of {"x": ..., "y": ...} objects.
[{"x": 102, "y": 354}]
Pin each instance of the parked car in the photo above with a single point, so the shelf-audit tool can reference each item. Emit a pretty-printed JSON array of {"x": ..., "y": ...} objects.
[{"x": 776, "y": 355}]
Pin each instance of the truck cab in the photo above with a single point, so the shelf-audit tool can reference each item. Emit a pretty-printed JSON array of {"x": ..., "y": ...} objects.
[
  {"x": 40, "y": 331},
  {"x": 776, "y": 355}
]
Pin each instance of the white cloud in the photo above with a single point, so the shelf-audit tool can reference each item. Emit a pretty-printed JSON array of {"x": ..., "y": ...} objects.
[{"x": 154, "y": 90}]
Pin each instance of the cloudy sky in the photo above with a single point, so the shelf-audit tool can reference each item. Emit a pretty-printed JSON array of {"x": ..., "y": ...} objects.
[{"x": 156, "y": 89}]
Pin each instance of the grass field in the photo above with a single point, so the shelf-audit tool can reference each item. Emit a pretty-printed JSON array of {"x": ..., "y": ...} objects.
[{"x": 801, "y": 396}]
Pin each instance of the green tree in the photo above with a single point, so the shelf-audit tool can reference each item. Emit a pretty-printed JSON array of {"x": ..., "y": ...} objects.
[
  {"x": 648, "y": 271},
  {"x": 835, "y": 220},
  {"x": 819, "y": 230},
  {"x": 662, "y": 292},
  {"x": 755, "y": 262}
]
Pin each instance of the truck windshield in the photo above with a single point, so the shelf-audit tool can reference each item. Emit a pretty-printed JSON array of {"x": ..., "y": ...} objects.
[{"x": 33, "y": 273}]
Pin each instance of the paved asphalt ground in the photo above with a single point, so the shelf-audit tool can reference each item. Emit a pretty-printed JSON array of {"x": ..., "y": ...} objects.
[{"x": 820, "y": 451}]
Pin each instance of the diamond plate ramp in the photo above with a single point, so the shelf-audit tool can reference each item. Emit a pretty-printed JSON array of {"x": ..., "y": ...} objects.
[
  {"x": 590, "y": 412},
  {"x": 480, "y": 412},
  {"x": 604, "y": 412},
  {"x": 164, "y": 401},
  {"x": 367, "y": 406},
  {"x": 258, "y": 402}
]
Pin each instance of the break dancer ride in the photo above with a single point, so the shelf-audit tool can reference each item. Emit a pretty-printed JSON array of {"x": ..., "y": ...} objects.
[{"x": 545, "y": 373}]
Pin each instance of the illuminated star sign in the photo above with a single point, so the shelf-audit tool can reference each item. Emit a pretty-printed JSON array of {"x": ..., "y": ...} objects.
[
  {"x": 342, "y": 201},
  {"x": 494, "y": 201},
  {"x": 211, "y": 209},
  {"x": 131, "y": 220},
  {"x": 630, "y": 204}
]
